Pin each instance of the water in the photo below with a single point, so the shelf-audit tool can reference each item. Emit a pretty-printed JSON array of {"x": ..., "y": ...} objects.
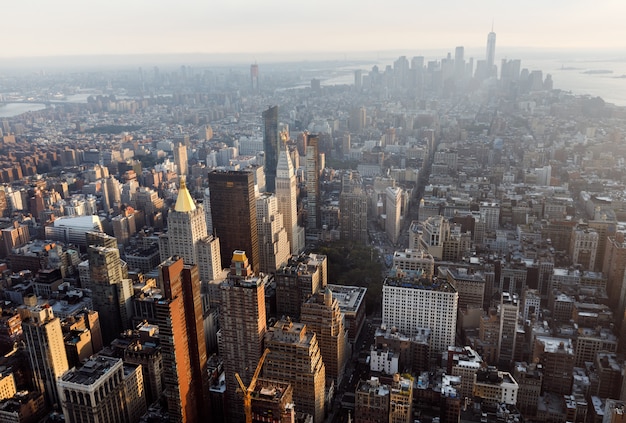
[{"x": 14, "y": 109}]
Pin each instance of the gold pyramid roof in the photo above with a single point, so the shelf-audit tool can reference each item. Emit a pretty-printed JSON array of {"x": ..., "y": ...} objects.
[{"x": 184, "y": 202}]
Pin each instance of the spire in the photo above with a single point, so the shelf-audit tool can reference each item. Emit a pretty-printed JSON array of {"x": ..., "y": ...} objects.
[{"x": 184, "y": 202}]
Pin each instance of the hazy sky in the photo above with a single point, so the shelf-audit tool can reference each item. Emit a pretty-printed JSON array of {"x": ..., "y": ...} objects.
[{"x": 77, "y": 27}]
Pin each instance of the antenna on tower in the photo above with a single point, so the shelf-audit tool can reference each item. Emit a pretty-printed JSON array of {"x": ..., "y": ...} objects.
[{"x": 491, "y": 24}]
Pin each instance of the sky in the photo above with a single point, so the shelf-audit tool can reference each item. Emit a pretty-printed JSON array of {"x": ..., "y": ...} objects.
[{"x": 34, "y": 28}]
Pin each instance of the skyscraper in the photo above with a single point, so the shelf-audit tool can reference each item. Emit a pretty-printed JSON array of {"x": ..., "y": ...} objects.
[
  {"x": 393, "y": 208},
  {"x": 242, "y": 328},
  {"x": 322, "y": 315},
  {"x": 271, "y": 146},
  {"x": 491, "y": 54},
  {"x": 181, "y": 334},
  {"x": 45, "y": 348},
  {"x": 274, "y": 248},
  {"x": 254, "y": 77},
  {"x": 295, "y": 358},
  {"x": 186, "y": 226},
  {"x": 312, "y": 183},
  {"x": 108, "y": 281},
  {"x": 180, "y": 159},
  {"x": 353, "y": 208},
  {"x": 286, "y": 193},
  {"x": 233, "y": 212}
]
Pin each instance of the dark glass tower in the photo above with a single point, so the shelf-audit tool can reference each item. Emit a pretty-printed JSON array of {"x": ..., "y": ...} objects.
[
  {"x": 271, "y": 146},
  {"x": 233, "y": 211}
]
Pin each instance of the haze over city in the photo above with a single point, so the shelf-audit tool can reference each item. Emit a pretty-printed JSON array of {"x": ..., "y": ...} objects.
[{"x": 279, "y": 27}]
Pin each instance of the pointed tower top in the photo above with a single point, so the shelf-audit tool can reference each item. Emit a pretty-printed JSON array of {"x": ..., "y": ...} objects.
[
  {"x": 284, "y": 168},
  {"x": 184, "y": 202}
]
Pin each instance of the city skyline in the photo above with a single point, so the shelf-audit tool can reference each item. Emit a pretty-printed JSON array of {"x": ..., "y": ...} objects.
[{"x": 67, "y": 27}]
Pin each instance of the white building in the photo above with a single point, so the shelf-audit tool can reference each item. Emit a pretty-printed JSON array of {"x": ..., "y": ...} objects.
[
  {"x": 495, "y": 387},
  {"x": 410, "y": 303},
  {"x": 383, "y": 360}
]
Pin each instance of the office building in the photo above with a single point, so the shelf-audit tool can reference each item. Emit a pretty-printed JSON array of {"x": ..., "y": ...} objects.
[
  {"x": 103, "y": 390},
  {"x": 242, "y": 328},
  {"x": 353, "y": 208},
  {"x": 45, "y": 348},
  {"x": 411, "y": 303},
  {"x": 393, "y": 208},
  {"x": 470, "y": 285},
  {"x": 613, "y": 269},
  {"x": 286, "y": 193},
  {"x": 181, "y": 335},
  {"x": 295, "y": 358},
  {"x": 321, "y": 315},
  {"x": 352, "y": 305},
  {"x": 584, "y": 246},
  {"x": 303, "y": 275},
  {"x": 274, "y": 248},
  {"x": 529, "y": 378},
  {"x": 107, "y": 278},
  {"x": 509, "y": 313},
  {"x": 491, "y": 54},
  {"x": 180, "y": 159},
  {"x": 556, "y": 355},
  {"x": 254, "y": 77},
  {"x": 272, "y": 145},
  {"x": 313, "y": 170},
  {"x": 209, "y": 257},
  {"x": 233, "y": 212},
  {"x": 186, "y": 226}
]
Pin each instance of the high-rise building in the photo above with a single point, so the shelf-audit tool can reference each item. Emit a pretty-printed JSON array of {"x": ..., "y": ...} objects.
[
  {"x": 393, "y": 207},
  {"x": 614, "y": 268},
  {"x": 556, "y": 355},
  {"x": 295, "y": 358},
  {"x": 107, "y": 278},
  {"x": 584, "y": 246},
  {"x": 301, "y": 277},
  {"x": 274, "y": 245},
  {"x": 286, "y": 193},
  {"x": 411, "y": 303},
  {"x": 313, "y": 169},
  {"x": 233, "y": 212},
  {"x": 271, "y": 145},
  {"x": 353, "y": 209},
  {"x": 43, "y": 337},
  {"x": 358, "y": 119},
  {"x": 254, "y": 77},
  {"x": 181, "y": 335},
  {"x": 186, "y": 226},
  {"x": 272, "y": 402},
  {"x": 509, "y": 312},
  {"x": 322, "y": 315},
  {"x": 209, "y": 258},
  {"x": 491, "y": 54},
  {"x": 242, "y": 328},
  {"x": 180, "y": 159},
  {"x": 104, "y": 389}
]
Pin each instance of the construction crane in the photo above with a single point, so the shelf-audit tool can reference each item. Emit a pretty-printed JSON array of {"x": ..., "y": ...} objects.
[{"x": 247, "y": 392}]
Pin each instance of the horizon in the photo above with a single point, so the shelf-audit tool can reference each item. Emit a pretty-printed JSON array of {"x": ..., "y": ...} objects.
[{"x": 68, "y": 28}]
